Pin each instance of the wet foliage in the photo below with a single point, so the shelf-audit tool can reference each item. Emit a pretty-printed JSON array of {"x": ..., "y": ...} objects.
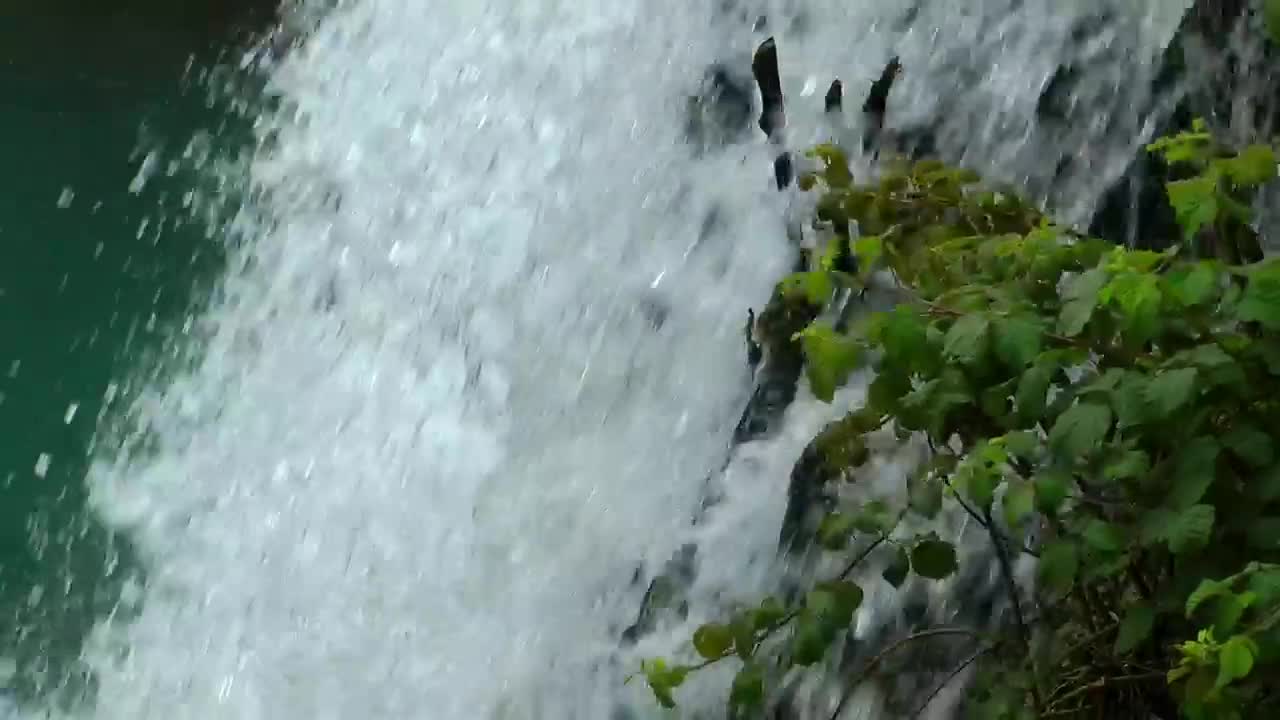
[{"x": 1110, "y": 411}]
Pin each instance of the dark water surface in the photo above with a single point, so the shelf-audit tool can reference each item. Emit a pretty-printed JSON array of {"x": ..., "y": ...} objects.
[{"x": 94, "y": 272}]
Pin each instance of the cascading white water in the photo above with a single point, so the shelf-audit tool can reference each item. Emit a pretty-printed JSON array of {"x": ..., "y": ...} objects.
[{"x": 480, "y": 355}]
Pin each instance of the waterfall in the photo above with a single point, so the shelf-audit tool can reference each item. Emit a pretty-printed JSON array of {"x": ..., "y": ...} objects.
[{"x": 483, "y": 343}]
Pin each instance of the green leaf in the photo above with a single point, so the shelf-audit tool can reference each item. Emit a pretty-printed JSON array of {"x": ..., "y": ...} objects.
[
  {"x": 965, "y": 340},
  {"x": 835, "y": 601},
  {"x": 977, "y": 482},
  {"x": 1187, "y": 529},
  {"x": 1196, "y": 691},
  {"x": 1059, "y": 562},
  {"x": 810, "y": 641},
  {"x": 1019, "y": 502},
  {"x": 1086, "y": 285},
  {"x": 767, "y": 615},
  {"x": 1135, "y": 628},
  {"x": 1022, "y": 443},
  {"x": 1271, "y": 16},
  {"x": 748, "y": 687},
  {"x": 1194, "y": 472},
  {"x": 924, "y": 494},
  {"x": 713, "y": 640},
  {"x": 1081, "y": 429},
  {"x": 875, "y": 517},
  {"x": 1170, "y": 390},
  {"x": 868, "y": 249},
  {"x": 1194, "y": 285},
  {"x": 744, "y": 634},
  {"x": 835, "y": 530},
  {"x": 835, "y": 165},
  {"x": 1209, "y": 356},
  {"x": 1250, "y": 444},
  {"x": 895, "y": 573},
  {"x": 902, "y": 335},
  {"x": 1235, "y": 660},
  {"x": 1206, "y": 590},
  {"x": 829, "y": 359},
  {"x": 1227, "y": 610},
  {"x": 933, "y": 558},
  {"x": 1138, "y": 295},
  {"x": 1075, "y": 315},
  {"x": 1032, "y": 393},
  {"x": 663, "y": 679},
  {"x": 1195, "y": 202},
  {"x": 1265, "y": 584},
  {"x": 1130, "y": 401},
  {"x": 1254, "y": 165},
  {"x": 1018, "y": 340},
  {"x": 1261, "y": 301},
  {"x": 1129, "y": 464},
  {"x": 1102, "y": 535},
  {"x": 814, "y": 286},
  {"x": 1103, "y": 384},
  {"x": 1081, "y": 295},
  {"x": 1051, "y": 490}
]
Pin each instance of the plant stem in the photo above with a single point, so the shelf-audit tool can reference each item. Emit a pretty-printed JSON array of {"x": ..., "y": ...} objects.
[
  {"x": 979, "y": 519},
  {"x": 947, "y": 680},
  {"x": 875, "y": 661},
  {"x": 1006, "y": 569},
  {"x": 862, "y": 556},
  {"x": 1099, "y": 683}
]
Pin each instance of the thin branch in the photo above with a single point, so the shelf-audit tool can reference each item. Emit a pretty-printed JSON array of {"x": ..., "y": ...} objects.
[
  {"x": 1006, "y": 569},
  {"x": 947, "y": 680},
  {"x": 862, "y": 556},
  {"x": 1086, "y": 641},
  {"x": 1100, "y": 683},
  {"x": 1022, "y": 548},
  {"x": 792, "y": 615},
  {"x": 875, "y": 661}
]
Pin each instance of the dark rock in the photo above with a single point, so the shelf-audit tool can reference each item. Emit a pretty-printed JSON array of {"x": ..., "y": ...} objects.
[
  {"x": 720, "y": 113},
  {"x": 764, "y": 67},
  {"x": 783, "y": 362},
  {"x": 665, "y": 600},
  {"x": 1239, "y": 104},
  {"x": 876, "y": 105},
  {"x": 772, "y": 352},
  {"x": 783, "y": 171},
  {"x": 833, "y": 102}
]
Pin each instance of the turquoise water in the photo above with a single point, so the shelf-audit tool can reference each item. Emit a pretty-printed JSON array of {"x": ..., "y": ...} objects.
[{"x": 93, "y": 275}]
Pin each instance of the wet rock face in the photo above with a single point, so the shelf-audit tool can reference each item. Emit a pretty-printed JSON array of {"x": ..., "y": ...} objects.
[
  {"x": 719, "y": 113},
  {"x": 1219, "y": 55}
]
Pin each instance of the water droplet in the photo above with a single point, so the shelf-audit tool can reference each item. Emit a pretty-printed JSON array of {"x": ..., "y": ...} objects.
[{"x": 42, "y": 465}]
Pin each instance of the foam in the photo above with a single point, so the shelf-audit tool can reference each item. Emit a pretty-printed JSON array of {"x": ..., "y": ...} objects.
[
  {"x": 472, "y": 371},
  {"x": 434, "y": 429}
]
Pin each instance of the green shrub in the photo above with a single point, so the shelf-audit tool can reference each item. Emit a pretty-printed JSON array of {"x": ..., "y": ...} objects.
[{"x": 1124, "y": 404}]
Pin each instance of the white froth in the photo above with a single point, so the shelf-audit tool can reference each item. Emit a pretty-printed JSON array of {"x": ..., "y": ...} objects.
[{"x": 435, "y": 429}]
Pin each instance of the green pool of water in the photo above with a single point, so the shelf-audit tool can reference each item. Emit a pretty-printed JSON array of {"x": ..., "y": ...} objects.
[{"x": 95, "y": 274}]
